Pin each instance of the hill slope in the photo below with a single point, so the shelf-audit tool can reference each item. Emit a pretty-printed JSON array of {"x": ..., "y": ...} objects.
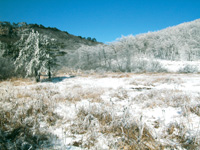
[
  {"x": 178, "y": 43},
  {"x": 14, "y": 37},
  {"x": 10, "y": 33}
]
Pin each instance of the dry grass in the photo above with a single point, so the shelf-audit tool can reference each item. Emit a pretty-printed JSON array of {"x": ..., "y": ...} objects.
[
  {"x": 78, "y": 93},
  {"x": 23, "y": 95},
  {"x": 24, "y": 108},
  {"x": 20, "y": 118},
  {"x": 120, "y": 94},
  {"x": 121, "y": 75},
  {"x": 108, "y": 75},
  {"x": 21, "y": 81},
  {"x": 18, "y": 81},
  {"x": 141, "y": 82},
  {"x": 164, "y": 97},
  {"x": 195, "y": 109},
  {"x": 168, "y": 80},
  {"x": 156, "y": 80},
  {"x": 130, "y": 134},
  {"x": 178, "y": 133},
  {"x": 133, "y": 137}
]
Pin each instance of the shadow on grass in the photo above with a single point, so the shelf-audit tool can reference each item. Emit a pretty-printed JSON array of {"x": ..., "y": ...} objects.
[
  {"x": 23, "y": 138},
  {"x": 57, "y": 79}
]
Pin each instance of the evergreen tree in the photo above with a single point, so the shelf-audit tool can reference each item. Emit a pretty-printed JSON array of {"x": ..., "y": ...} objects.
[
  {"x": 49, "y": 51},
  {"x": 36, "y": 55}
]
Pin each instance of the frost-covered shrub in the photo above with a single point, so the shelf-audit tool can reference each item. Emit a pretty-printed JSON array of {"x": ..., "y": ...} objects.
[
  {"x": 147, "y": 66},
  {"x": 6, "y": 68},
  {"x": 189, "y": 69},
  {"x": 155, "y": 66}
]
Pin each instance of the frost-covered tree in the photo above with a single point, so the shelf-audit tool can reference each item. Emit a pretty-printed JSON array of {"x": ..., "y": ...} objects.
[
  {"x": 133, "y": 53},
  {"x": 35, "y": 55},
  {"x": 48, "y": 53}
]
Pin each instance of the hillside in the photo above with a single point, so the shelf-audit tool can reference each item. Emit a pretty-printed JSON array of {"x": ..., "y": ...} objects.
[
  {"x": 179, "y": 42},
  {"x": 136, "y": 53},
  {"x": 10, "y": 33},
  {"x": 14, "y": 38}
]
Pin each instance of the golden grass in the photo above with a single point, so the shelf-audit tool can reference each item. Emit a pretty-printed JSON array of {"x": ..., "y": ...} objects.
[
  {"x": 121, "y": 75},
  {"x": 20, "y": 118},
  {"x": 141, "y": 82},
  {"x": 156, "y": 80},
  {"x": 178, "y": 133},
  {"x": 120, "y": 94},
  {"x": 164, "y": 97},
  {"x": 169, "y": 80},
  {"x": 21, "y": 81},
  {"x": 90, "y": 122},
  {"x": 78, "y": 93},
  {"x": 130, "y": 135},
  {"x": 195, "y": 109},
  {"x": 23, "y": 95}
]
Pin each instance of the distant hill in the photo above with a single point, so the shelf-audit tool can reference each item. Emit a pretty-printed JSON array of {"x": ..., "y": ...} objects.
[
  {"x": 132, "y": 53},
  {"x": 181, "y": 42},
  {"x": 10, "y": 33}
]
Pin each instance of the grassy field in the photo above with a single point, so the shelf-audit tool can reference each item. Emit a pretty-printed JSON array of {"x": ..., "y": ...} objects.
[{"x": 101, "y": 111}]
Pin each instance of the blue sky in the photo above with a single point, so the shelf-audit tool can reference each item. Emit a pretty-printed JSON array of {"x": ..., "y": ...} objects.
[{"x": 105, "y": 20}]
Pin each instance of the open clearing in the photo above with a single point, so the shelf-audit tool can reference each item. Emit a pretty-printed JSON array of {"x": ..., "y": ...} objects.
[{"x": 105, "y": 111}]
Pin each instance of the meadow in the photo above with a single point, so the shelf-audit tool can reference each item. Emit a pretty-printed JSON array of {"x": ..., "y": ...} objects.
[{"x": 74, "y": 111}]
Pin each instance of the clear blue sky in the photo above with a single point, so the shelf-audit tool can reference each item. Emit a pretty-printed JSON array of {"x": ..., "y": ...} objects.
[{"x": 105, "y": 20}]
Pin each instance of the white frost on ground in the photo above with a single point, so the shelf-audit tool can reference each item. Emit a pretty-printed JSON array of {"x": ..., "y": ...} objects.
[
  {"x": 175, "y": 66},
  {"x": 165, "y": 115},
  {"x": 118, "y": 95}
]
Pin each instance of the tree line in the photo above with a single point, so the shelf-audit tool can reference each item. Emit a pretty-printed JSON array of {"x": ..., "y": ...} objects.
[{"x": 136, "y": 53}]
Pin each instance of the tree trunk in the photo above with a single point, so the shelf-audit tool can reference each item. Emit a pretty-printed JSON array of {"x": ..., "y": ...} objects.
[
  {"x": 37, "y": 76},
  {"x": 128, "y": 61},
  {"x": 49, "y": 72}
]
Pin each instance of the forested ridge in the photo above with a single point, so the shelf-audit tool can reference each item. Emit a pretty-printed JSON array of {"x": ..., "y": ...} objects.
[
  {"x": 140, "y": 53},
  {"x": 22, "y": 40},
  {"x": 130, "y": 53}
]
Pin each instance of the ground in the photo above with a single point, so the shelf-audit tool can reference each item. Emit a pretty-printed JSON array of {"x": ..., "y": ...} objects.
[{"x": 107, "y": 111}]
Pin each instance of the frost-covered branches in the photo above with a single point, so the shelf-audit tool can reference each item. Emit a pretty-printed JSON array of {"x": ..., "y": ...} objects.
[
  {"x": 35, "y": 55},
  {"x": 136, "y": 53}
]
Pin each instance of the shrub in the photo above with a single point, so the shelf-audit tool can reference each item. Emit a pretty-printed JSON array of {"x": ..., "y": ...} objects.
[
  {"x": 6, "y": 68},
  {"x": 189, "y": 69},
  {"x": 147, "y": 66}
]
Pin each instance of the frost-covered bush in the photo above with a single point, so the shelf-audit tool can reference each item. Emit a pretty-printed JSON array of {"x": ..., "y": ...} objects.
[
  {"x": 6, "y": 68},
  {"x": 147, "y": 66},
  {"x": 189, "y": 69}
]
